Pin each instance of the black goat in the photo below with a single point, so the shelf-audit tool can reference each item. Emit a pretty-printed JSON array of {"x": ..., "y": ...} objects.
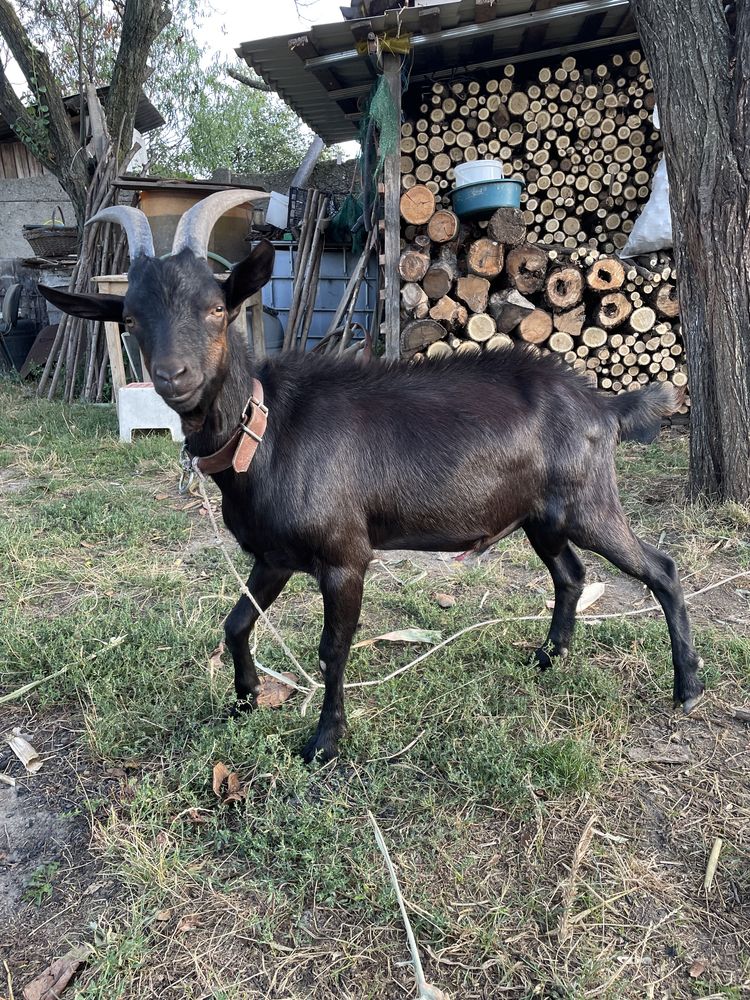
[{"x": 441, "y": 456}]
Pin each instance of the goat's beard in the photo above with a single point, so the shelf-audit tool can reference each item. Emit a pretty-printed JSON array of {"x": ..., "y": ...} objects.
[{"x": 193, "y": 422}]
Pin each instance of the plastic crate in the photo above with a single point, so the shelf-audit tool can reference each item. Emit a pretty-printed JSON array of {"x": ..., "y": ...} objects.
[{"x": 297, "y": 202}]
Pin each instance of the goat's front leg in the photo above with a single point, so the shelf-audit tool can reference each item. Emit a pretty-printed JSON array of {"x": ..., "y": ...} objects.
[
  {"x": 265, "y": 583},
  {"x": 342, "y": 600}
]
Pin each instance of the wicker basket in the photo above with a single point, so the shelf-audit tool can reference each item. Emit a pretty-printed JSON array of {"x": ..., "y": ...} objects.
[{"x": 53, "y": 240}]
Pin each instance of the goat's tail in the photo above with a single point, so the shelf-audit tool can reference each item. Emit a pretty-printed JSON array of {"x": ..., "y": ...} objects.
[{"x": 641, "y": 412}]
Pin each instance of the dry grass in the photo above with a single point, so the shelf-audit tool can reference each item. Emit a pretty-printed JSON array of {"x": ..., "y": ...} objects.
[{"x": 550, "y": 834}]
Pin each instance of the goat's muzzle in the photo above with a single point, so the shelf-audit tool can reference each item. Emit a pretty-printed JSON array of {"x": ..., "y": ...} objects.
[{"x": 179, "y": 388}]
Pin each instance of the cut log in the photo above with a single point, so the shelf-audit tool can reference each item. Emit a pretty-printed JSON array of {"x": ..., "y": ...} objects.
[
  {"x": 417, "y": 205},
  {"x": 419, "y": 334},
  {"x": 474, "y": 291},
  {"x": 468, "y": 347},
  {"x": 526, "y": 267},
  {"x": 443, "y": 226},
  {"x": 643, "y": 319},
  {"x": 536, "y": 327},
  {"x": 561, "y": 343},
  {"x": 508, "y": 308},
  {"x": 413, "y": 264},
  {"x": 606, "y": 275},
  {"x": 564, "y": 286},
  {"x": 414, "y": 300},
  {"x": 438, "y": 280},
  {"x": 439, "y": 350},
  {"x": 500, "y": 342},
  {"x": 614, "y": 309},
  {"x": 666, "y": 301},
  {"x": 507, "y": 226},
  {"x": 449, "y": 312},
  {"x": 571, "y": 320},
  {"x": 485, "y": 258},
  {"x": 594, "y": 336},
  {"x": 481, "y": 327}
]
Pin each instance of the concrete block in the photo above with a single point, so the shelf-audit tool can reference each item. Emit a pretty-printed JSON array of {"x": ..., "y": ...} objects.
[{"x": 140, "y": 407}]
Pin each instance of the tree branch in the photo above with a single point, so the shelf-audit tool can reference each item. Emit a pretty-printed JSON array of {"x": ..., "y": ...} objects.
[
  {"x": 142, "y": 22},
  {"x": 48, "y": 135},
  {"x": 249, "y": 81}
]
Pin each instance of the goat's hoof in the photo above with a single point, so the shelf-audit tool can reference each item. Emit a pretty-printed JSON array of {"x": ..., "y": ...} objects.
[
  {"x": 688, "y": 692},
  {"x": 545, "y": 656},
  {"x": 322, "y": 746},
  {"x": 691, "y": 703},
  {"x": 239, "y": 708}
]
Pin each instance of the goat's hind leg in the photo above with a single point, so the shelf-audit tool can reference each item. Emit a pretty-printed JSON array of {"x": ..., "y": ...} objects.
[
  {"x": 613, "y": 538},
  {"x": 265, "y": 583},
  {"x": 341, "y": 587},
  {"x": 568, "y": 576}
]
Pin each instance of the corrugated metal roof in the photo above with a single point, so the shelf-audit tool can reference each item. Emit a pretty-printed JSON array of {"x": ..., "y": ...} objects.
[
  {"x": 147, "y": 118},
  {"x": 320, "y": 75}
]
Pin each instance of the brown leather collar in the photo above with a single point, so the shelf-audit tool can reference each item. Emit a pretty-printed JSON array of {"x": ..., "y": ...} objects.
[{"x": 240, "y": 449}]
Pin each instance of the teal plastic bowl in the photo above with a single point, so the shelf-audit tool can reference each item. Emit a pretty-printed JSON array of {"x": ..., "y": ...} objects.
[{"x": 476, "y": 201}]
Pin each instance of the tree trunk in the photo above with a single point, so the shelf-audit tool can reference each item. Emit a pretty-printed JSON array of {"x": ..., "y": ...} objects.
[
  {"x": 142, "y": 21},
  {"x": 705, "y": 118},
  {"x": 48, "y": 135}
]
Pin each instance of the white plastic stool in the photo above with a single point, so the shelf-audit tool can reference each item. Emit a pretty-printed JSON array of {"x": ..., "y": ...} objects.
[{"x": 140, "y": 407}]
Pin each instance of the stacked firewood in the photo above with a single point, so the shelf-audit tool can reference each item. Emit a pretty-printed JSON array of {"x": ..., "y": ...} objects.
[
  {"x": 582, "y": 138},
  {"x": 468, "y": 288}
]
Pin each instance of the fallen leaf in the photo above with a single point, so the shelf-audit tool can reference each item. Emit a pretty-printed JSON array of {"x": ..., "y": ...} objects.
[
  {"x": 162, "y": 496},
  {"x": 220, "y": 775},
  {"x": 591, "y": 594},
  {"x": 445, "y": 600},
  {"x": 696, "y": 970},
  {"x": 188, "y": 923},
  {"x": 214, "y": 660},
  {"x": 25, "y": 752},
  {"x": 235, "y": 791},
  {"x": 163, "y": 915},
  {"x": 50, "y": 984},
  {"x": 273, "y": 693},
  {"x": 404, "y": 635}
]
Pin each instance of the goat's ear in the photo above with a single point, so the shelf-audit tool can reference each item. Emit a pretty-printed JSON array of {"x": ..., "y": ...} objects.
[
  {"x": 249, "y": 275},
  {"x": 102, "y": 307}
]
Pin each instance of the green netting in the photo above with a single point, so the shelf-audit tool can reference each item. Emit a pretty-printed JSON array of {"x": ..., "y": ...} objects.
[
  {"x": 340, "y": 226},
  {"x": 383, "y": 112}
]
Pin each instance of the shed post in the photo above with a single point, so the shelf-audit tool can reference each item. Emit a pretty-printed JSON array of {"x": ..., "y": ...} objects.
[{"x": 392, "y": 241}]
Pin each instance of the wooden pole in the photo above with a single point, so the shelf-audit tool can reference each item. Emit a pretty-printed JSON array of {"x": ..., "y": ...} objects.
[{"x": 392, "y": 241}]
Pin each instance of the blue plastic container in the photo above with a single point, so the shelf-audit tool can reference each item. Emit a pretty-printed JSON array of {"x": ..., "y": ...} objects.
[{"x": 477, "y": 201}]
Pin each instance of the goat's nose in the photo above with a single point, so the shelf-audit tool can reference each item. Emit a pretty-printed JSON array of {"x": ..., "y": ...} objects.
[{"x": 170, "y": 375}]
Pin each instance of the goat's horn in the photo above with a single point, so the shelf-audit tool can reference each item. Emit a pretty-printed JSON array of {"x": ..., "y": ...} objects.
[
  {"x": 135, "y": 224},
  {"x": 195, "y": 226}
]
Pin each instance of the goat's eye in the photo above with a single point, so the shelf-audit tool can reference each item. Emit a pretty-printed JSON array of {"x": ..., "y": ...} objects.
[
  {"x": 218, "y": 311},
  {"x": 129, "y": 322}
]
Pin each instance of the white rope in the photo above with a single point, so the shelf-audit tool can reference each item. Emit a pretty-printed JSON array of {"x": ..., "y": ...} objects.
[{"x": 314, "y": 685}]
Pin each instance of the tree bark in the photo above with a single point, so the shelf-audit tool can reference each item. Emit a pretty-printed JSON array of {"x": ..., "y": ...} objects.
[
  {"x": 705, "y": 119},
  {"x": 142, "y": 22}
]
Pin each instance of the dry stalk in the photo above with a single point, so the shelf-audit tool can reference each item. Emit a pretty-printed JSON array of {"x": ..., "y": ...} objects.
[
  {"x": 426, "y": 991},
  {"x": 713, "y": 863},
  {"x": 565, "y": 930}
]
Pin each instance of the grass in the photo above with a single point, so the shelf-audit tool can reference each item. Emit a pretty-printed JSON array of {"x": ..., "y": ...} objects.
[{"x": 482, "y": 773}]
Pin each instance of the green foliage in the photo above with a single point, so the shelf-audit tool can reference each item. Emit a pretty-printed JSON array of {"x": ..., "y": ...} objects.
[
  {"x": 39, "y": 887},
  {"x": 219, "y": 123},
  {"x": 211, "y": 121}
]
